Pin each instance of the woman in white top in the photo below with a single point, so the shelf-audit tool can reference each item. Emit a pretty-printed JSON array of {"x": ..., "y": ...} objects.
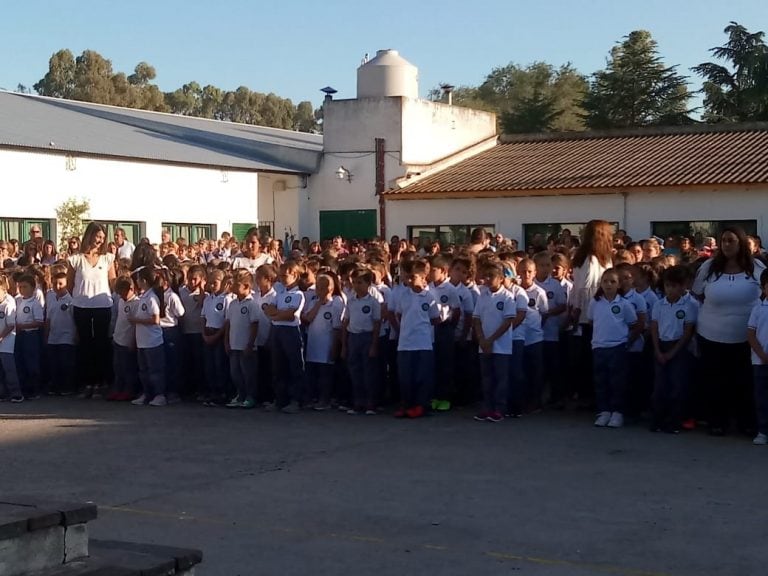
[
  {"x": 592, "y": 258},
  {"x": 251, "y": 257},
  {"x": 728, "y": 285},
  {"x": 90, "y": 276}
]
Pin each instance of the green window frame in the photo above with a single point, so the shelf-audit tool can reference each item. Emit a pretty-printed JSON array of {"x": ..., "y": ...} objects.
[
  {"x": 18, "y": 228},
  {"x": 446, "y": 234},
  {"x": 240, "y": 229},
  {"x": 698, "y": 229},
  {"x": 133, "y": 230},
  {"x": 192, "y": 232}
]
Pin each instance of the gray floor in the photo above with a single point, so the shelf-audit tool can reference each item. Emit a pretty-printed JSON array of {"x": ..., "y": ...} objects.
[{"x": 327, "y": 494}]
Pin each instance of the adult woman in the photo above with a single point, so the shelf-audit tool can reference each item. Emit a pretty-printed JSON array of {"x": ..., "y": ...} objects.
[
  {"x": 49, "y": 256},
  {"x": 90, "y": 276},
  {"x": 29, "y": 255},
  {"x": 73, "y": 246},
  {"x": 251, "y": 257},
  {"x": 728, "y": 285},
  {"x": 592, "y": 258}
]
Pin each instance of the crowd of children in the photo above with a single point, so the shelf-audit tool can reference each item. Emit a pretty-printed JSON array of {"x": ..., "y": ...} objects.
[{"x": 383, "y": 326}]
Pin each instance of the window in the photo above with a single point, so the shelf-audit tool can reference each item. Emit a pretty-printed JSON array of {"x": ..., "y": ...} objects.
[
  {"x": 446, "y": 234},
  {"x": 239, "y": 230},
  {"x": 699, "y": 229},
  {"x": 18, "y": 228},
  {"x": 132, "y": 230},
  {"x": 537, "y": 234},
  {"x": 192, "y": 232}
]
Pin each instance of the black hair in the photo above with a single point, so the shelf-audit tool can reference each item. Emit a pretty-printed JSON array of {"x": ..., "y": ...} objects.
[
  {"x": 743, "y": 258},
  {"x": 764, "y": 279},
  {"x": 676, "y": 275},
  {"x": 154, "y": 278}
]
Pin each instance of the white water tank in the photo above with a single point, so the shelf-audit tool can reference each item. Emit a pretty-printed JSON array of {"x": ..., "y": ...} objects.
[{"x": 388, "y": 74}]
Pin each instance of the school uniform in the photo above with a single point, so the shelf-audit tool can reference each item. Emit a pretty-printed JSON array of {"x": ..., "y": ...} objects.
[
  {"x": 193, "y": 367},
  {"x": 758, "y": 321},
  {"x": 447, "y": 299},
  {"x": 553, "y": 366},
  {"x": 610, "y": 332},
  {"x": 464, "y": 353},
  {"x": 124, "y": 355},
  {"x": 61, "y": 344},
  {"x": 672, "y": 378},
  {"x": 149, "y": 344},
  {"x": 385, "y": 363},
  {"x": 174, "y": 311},
  {"x": 242, "y": 319},
  {"x": 288, "y": 350},
  {"x": 415, "y": 356},
  {"x": 361, "y": 318},
  {"x": 9, "y": 378},
  {"x": 492, "y": 309},
  {"x": 266, "y": 391},
  {"x": 321, "y": 334},
  {"x": 516, "y": 389},
  {"x": 533, "y": 352},
  {"x": 29, "y": 345},
  {"x": 214, "y": 311}
]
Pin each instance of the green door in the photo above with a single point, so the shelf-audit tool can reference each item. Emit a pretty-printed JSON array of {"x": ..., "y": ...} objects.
[{"x": 351, "y": 224}]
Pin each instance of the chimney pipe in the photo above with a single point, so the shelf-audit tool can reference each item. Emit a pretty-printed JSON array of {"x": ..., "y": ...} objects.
[{"x": 448, "y": 91}]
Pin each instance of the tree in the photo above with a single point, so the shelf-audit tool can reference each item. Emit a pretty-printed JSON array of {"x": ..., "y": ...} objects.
[
  {"x": 70, "y": 215},
  {"x": 93, "y": 78},
  {"x": 535, "y": 113},
  {"x": 59, "y": 81},
  {"x": 304, "y": 118},
  {"x": 737, "y": 92},
  {"x": 636, "y": 88},
  {"x": 142, "y": 74}
]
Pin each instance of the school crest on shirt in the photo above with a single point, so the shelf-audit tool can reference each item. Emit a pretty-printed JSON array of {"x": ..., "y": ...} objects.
[
  {"x": 64, "y": 307},
  {"x": 425, "y": 306},
  {"x": 366, "y": 309},
  {"x": 550, "y": 294},
  {"x": 26, "y": 309},
  {"x": 680, "y": 314},
  {"x": 127, "y": 309},
  {"x": 531, "y": 303},
  {"x": 244, "y": 310},
  {"x": 615, "y": 308},
  {"x": 219, "y": 306},
  {"x": 327, "y": 315},
  {"x": 499, "y": 305},
  {"x": 2, "y": 315},
  {"x": 443, "y": 299},
  {"x": 143, "y": 307},
  {"x": 264, "y": 306},
  {"x": 287, "y": 299}
]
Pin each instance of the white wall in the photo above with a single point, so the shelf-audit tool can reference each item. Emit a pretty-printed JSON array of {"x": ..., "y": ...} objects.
[
  {"x": 34, "y": 184},
  {"x": 282, "y": 200}
]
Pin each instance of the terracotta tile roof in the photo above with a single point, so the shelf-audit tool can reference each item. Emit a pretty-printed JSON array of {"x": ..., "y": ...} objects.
[{"x": 535, "y": 164}]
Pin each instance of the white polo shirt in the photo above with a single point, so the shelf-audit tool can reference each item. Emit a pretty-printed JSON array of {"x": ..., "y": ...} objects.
[
  {"x": 265, "y": 324},
  {"x": 192, "y": 321},
  {"x": 214, "y": 310},
  {"x": 640, "y": 305},
  {"x": 672, "y": 317},
  {"x": 556, "y": 296},
  {"x": 362, "y": 313},
  {"x": 241, "y": 314},
  {"x": 148, "y": 335},
  {"x": 386, "y": 293},
  {"x": 537, "y": 305},
  {"x": 492, "y": 309},
  {"x": 29, "y": 310},
  {"x": 521, "y": 304},
  {"x": 125, "y": 333},
  {"x": 290, "y": 299},
  {"x": 447, "y": 298},
  {"x": 397, "y": 291},
  {"x": 251, "y": 264},
  {"x": 61, "y": 321},
  {"x": 126, "y": 250},
  {"x": 416, "y": 309},
  {"x": 320, "y": 332},
  {"x": 466, "y": 305},
  {"x": 8, "y": 320},
  {"x": 650, "y": 298},
  {"x": 610, "y": 321},
  {"x": 758, "y": 321},
  {"x": 174, "y": 310}
]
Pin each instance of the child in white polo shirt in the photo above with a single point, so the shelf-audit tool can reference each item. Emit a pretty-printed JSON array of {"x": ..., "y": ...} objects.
[
  {"x": 265, "y": 296},
  {"x": 449, "y": 307},
  {"x": 124, "y": 356},
  {"x": 61, "y": 336},
  {"x": 464, "y": 350},
  {"x": 516, "y": 387},
  {"x": 757, "y": 335},
  {"x": 149, "y": 337},
  {"x": 614, "y": 320},
  {"x": 30, "y": 319},
  {"x": 360, "y": 342},
  {"x": 673, "y": 320},
  {"x": 557, "y": 306},
  {"x": 240, "y": 332},
  {"x": 533, "y": 352},
  {"x": 492, "y": 318},
  {"x": 214, "y": 314},
  {"x": 192, "y": 295},
  {"x": 639, "y": 379},
  {"x": 416, "y": 313},
  {"x": 9, "y": 379}
]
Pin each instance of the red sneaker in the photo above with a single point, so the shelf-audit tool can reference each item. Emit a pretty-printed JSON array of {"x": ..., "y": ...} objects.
[
  {"x": 415, "y": 412},
  {"x": 689, "y": 424},
  {"x": 114, "y": 396},
  {"x": 400, "y": 412},
  {"x": 495, "y": 417},
  {"x": 125, "y": 396}
]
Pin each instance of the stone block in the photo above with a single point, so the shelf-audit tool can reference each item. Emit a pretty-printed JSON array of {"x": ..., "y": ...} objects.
[
  {"x": 32, "y": 551},
  {"x": 75, "y": 542}
]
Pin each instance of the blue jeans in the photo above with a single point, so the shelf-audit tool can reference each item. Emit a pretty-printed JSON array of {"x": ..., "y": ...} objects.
[
  {"x": 363, "y": 370},
  {"x": 126, "y": 367},
  {"x": 494, "y": 371},
  {"x": 9, "y": 378},
  {"x": 610, "y": 374},
  {"x": 242, "y": 370},
  {"x": 416, "y": 371},
  {"x": 28, "y": 357},
  {"x": 61, "y": 359},
  {"x": 216, "y": 373},
  {"x": 152, "y": 370},
  {"x": 287, "y": 364},
  {"x": 670, "y": 389},
  {"x": 761, "y": 397}
]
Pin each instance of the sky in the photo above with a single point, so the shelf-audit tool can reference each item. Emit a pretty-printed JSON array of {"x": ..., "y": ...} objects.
[{"x": 294, "y": 48}]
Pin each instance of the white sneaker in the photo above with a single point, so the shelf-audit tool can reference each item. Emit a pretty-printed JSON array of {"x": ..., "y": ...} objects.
[
  {"x": 616, "y": 421},
  {"x": 760, "y": 440},
  {"x": 159, "y": 400},
  {"x": 140, "y": 401},
  {"x": 602, "y": 419}
]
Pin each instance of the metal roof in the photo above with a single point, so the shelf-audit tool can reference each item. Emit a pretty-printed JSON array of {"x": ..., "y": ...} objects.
[
  {"x": 67, "y": 126},
  {"x": 701, "y": 155}
]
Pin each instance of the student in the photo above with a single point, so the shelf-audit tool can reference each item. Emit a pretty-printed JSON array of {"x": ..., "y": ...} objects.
[
  {"x": 240, "y": 332},
  {"x": 449, "y": 307},
  {"x": 673, "y": 321},
  {"x": 30, "y": 318},
  {"x": 492, "y": 320},
  {"x": 149, "y": 336},
  {"x": 533, "y": 351},
  {"x": 416, "y": 313},
  {"x": 639, "y": 390},
  {"x": 169, "y": 322},
  {"x": 323, "y": 319},
  {"x": 387, "y": 353},
  {"x": 265, "y": 296},
  {"x": 9, "y": 378},
  {"x": 557, "y": 304},
  {"x": 124, "y": 356},
  {"x": 516, "y": 388},
  {"x": 464, "y": 352},
  {"x": 360, "y": 334},
  {"x": 192, "y": 295},
  {"x": 757, "y": 335},
  {"x": 614, "y": 321},
  {"x": 61, "y": 337},
  {"x": 214, "y": 315},
  {"x": 287, "y": 344}
]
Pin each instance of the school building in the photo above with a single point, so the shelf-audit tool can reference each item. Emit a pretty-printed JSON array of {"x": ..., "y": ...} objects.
[{"x": 388, "y": 163}]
